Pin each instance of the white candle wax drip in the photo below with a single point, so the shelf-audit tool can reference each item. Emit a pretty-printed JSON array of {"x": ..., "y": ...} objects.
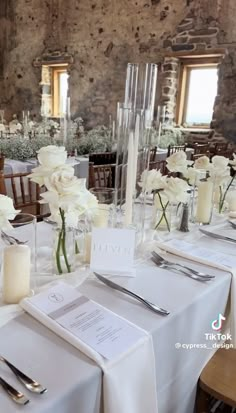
[
  {"x": 16, "y": 273},
  {"x": 204, "y": 202}
]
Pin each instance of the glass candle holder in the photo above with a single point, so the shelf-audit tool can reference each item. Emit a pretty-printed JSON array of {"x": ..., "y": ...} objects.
[
  {"x": 202, "y": 198},
  {"x": 105, "y": 214},
  {"x": 19, "y": 258}
]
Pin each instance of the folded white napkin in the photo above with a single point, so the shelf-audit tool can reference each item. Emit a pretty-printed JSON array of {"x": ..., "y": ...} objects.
[
  {"x": 129, "y": 382},
  {"x": 8, "y": 312},
  {"x": 205, "y": 256}
]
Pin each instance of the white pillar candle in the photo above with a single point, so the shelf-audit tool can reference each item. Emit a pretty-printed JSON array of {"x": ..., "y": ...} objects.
[
  {"x": 129, "y": 182},
  {"x": 16, "y": 273},
  {"x": 100, "y": 220},
  {"x": 204, "y": 202}
]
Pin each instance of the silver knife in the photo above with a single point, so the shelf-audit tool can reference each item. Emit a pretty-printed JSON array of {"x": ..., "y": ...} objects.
[
  {"x": 217, "y": 236},
  {"x": 118, "y": 287}
]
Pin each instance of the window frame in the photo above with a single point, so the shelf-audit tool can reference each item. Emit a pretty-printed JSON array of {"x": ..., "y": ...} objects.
[
  {"x": 56, "y": 71},
  {"x": 186, "y": 65}
]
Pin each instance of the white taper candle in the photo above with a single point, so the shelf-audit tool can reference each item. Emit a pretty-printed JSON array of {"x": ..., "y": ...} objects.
[{"x": 129, "y": 181}]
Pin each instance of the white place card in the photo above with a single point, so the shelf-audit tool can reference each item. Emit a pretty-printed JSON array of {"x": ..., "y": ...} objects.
[
  {"x": 112, "y": 251},
  {"x": 99, "y": 328}
]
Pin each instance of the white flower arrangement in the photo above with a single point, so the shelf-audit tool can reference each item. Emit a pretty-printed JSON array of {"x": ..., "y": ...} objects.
[
  {"x": 66, "y": 194},
  {"x": 7, "y": 212},
  {"x": 178, "y": 162},
  {"x": 167, "y": 189},
  {"x": 219, "y": 172}
]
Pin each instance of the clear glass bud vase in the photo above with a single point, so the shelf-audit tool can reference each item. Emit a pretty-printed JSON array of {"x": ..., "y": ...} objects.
[{"x": 64, "y": 250}]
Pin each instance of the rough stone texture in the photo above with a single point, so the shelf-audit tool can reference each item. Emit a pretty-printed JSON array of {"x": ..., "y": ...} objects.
[{"x": 103, "y": 36}]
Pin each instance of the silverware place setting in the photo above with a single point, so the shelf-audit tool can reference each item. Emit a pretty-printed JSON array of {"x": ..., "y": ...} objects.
[
  {"x": 14, "y": 394},
  {"x": 216, "y": 236},
  {"x": 10, "y": 240},
  {"x": 148, "y": 304},
  {"x": 29, "y": 384},
  {"x": 180, "y": 268}
]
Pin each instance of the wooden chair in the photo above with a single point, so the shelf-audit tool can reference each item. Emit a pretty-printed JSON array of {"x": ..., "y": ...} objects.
[
  {"x": 175, "y": 148},
  {"x": 153, "y": 152},
  {"x": 200, "y": 148},
  {"x": 2, "y": 181},
  {"x": 102, "y": 175},
  {"x": 25, "y": 193},
  {"x": 102, "y": 158},
  {"x": 199, "y": 155},
  {"x": 218, "y": 379},
  {"x": 159, "y": 165}
]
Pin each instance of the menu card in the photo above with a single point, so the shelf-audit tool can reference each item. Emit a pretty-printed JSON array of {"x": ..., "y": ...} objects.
[
  {"x": 200, "y": 254},
  {"x": 99, "y": 328}
]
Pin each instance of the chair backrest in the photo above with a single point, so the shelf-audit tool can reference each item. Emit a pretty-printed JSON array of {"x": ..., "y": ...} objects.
[
  {"x": 200, "y": 148},
  {"x": 199, "y": 155},
  {"x": 102, "y": 175},
  {"x": 24, "y": 192},
  {"x": 159, "y": 165},
  {"x": 2, "y": 160},
  {"x": 153, "y": 152},
  {"x": 102, "y": 158},
  {"x": 175, "y": 148},
  {"x": 221, "y": 146}
]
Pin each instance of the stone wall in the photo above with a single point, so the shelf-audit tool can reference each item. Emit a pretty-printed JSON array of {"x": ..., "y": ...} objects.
[{"x": 103, "y": 36}]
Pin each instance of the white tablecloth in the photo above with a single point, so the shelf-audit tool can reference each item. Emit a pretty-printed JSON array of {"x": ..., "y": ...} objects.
[
  {"x": 193, "y": 306},
  {"x": 14, "y": 166}
]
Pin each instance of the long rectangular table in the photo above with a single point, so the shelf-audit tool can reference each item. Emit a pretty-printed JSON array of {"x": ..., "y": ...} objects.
[{"x": 74, "y": 382}]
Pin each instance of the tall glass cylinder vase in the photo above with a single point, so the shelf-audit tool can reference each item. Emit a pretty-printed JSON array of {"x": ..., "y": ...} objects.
[{"x": 132, "y": 159}]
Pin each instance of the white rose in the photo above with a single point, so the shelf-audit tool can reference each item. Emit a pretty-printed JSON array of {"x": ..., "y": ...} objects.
[
  {"x": 219, "y": 176},
  {"x": 41, "y": 174},
  {"x": 178, "y": 162},
  {"x": 220, "y": 162},
  {"x": 63, "y": 181},
  {"x": 152, "y": 180},
  {"x": 176, "y": 190},
  {"x": 190, "y": 175},
  {"x": 52, "y": 156},
  {"x": 7, "y": 211},
  {"x": 202, "y": 163}
]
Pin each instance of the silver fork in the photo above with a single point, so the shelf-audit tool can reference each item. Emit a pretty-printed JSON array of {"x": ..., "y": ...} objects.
[
  {"x": 14, "y": 394},
  {"x": 191, "y": 270},
  {"x": 29, "y": 383}
]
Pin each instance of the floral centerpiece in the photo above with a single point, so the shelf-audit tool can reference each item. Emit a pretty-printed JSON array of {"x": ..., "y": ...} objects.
[
  {"x": 168, "y": 190},
  {"x": 221, "y": 171},
  {"x": 66, "y": 195}
]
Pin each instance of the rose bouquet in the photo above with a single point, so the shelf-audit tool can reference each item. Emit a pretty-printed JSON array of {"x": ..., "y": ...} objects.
[
  {"x": 167, "y": 190},
  {"x": 221, "y": 171},
  {"x": 66, "y": 195}
]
